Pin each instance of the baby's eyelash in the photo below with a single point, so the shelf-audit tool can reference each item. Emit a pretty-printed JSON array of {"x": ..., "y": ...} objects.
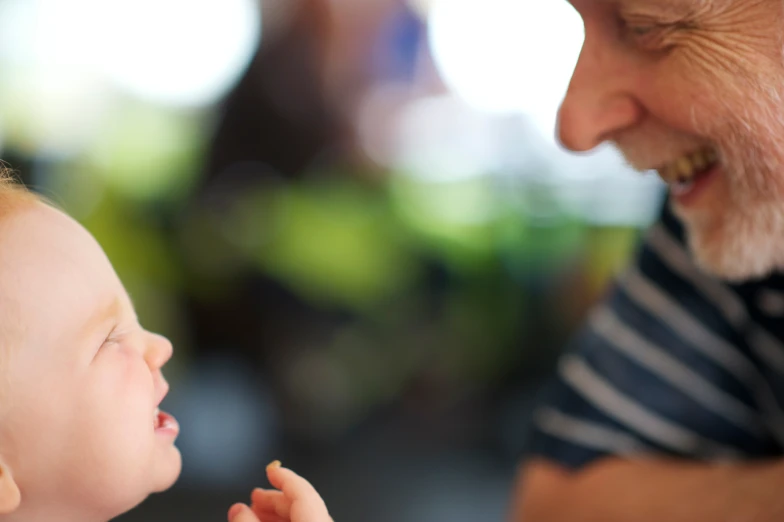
[{"x": 113, "y": 338}]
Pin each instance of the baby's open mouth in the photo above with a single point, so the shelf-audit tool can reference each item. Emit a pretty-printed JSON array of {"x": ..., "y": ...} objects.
[
  {"x": 163, "y": 421},
  {"x": 682, "y": 173}
]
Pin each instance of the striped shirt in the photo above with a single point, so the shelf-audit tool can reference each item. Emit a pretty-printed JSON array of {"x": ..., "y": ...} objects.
[{"x": 674, "y": 362}]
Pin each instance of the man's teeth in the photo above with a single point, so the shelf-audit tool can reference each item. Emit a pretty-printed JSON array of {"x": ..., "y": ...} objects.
[
  {"x": 680, "y": 187},
  {"x": 684, "y": 169},
  {"x": 156, "y": 420}
]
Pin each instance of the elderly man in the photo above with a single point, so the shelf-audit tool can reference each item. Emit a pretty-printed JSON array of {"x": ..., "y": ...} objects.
[{"x": 670, "y": 405}]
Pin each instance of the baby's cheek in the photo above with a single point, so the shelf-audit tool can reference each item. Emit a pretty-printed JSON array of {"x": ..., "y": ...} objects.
[
  {"x": 121, "y": 421},
  {"x": 123, "y": 391},
  {"x": 128, "y": 373}
]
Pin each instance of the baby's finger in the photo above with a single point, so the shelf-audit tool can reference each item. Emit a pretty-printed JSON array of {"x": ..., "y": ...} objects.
[
  {"x": 271, "y": 501},
  {"x": 242, "y": 513},
  {"x": 292, "y": 485},
  {"x": 306, "y": 503},
  {"x": 270, "y": 517}
]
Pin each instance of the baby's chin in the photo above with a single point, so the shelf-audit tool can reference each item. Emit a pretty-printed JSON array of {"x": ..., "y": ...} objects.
[
  {"x": 163, "y": 477},
  {"x": 169, "y": 470}
]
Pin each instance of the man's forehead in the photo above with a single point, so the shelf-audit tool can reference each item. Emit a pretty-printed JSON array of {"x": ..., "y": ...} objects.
[{"x": 669, "y": 5}]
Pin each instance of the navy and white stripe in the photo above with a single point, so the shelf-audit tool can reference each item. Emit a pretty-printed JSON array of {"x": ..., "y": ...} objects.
[{"x": 674, "y": 363}]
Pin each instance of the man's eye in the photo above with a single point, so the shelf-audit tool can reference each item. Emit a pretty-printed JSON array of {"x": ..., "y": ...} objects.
[
  {"x": 635, "y": 27},
  {"x": 640, "y": 30},
  {"x": 648, "y": 36}
]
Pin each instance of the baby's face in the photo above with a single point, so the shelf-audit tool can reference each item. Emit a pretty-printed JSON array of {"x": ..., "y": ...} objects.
[{"x": 80, "y": 379}]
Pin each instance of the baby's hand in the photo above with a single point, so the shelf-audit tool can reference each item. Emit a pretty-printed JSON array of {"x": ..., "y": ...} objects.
[{"x": 294, "y": 500}]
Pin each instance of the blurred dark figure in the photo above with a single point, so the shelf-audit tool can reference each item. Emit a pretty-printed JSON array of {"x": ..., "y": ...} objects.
[
  {"x": 277, "y": 115},
  {"x": 290, "y": 117}
]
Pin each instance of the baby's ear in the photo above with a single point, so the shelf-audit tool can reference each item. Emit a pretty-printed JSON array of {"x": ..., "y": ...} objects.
[{"x": 10, "y": 496}]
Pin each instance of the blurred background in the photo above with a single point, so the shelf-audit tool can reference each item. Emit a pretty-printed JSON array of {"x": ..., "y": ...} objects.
[{"x": 350, "y": 216}]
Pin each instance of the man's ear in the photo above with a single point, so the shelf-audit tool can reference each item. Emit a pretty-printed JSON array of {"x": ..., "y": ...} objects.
[{"x": 10, "y": 496}]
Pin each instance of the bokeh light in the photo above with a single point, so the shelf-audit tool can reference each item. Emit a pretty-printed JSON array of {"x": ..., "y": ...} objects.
[
  {"x": 507, "y": 56},
  {"x": 172, "y": 52},
  {"x": 178, "y": 51}
]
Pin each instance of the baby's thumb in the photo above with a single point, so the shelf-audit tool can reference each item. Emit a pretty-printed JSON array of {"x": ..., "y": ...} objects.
[{"x": 241, "y": 513}]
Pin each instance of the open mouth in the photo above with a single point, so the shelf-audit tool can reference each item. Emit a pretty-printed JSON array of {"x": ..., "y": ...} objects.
[
  {"x": 164, "y": 422},
  {"x": 683, "y": 173}
]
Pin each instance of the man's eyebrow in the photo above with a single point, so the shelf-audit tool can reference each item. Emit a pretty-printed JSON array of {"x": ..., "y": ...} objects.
[{"x": 664, "y": 6}]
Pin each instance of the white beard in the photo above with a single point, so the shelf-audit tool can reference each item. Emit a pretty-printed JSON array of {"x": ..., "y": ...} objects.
[{"x": 743, "y": 245}]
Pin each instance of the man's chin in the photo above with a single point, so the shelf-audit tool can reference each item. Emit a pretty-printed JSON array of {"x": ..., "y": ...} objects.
[
  {"x": 733, "y": 256},
  {"x": 727, "y": 270}
]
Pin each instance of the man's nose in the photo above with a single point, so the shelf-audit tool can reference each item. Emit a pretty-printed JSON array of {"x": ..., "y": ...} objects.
[{"x": 599, "y": 103}]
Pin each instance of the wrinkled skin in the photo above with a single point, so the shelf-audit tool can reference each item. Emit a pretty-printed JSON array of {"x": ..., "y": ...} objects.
[{"x": 661, "y": 78}]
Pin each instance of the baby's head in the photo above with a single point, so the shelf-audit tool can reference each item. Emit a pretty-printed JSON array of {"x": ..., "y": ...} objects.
[{"x": 81, "y": 438}]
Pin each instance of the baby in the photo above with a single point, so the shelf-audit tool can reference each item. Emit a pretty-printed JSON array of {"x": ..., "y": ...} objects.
[{"x": 81, "y": 436}]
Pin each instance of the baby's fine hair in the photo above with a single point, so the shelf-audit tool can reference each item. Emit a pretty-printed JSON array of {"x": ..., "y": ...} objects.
[{"x": 12, "y": 192}]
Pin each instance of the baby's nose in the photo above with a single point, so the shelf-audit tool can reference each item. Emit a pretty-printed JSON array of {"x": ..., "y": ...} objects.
[{"x": 159, "y": 351}]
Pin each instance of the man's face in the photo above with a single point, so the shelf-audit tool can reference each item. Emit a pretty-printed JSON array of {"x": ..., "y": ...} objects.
[
  {"x": 692, "y": 88},
  {"x": 81, "y": 380}
]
